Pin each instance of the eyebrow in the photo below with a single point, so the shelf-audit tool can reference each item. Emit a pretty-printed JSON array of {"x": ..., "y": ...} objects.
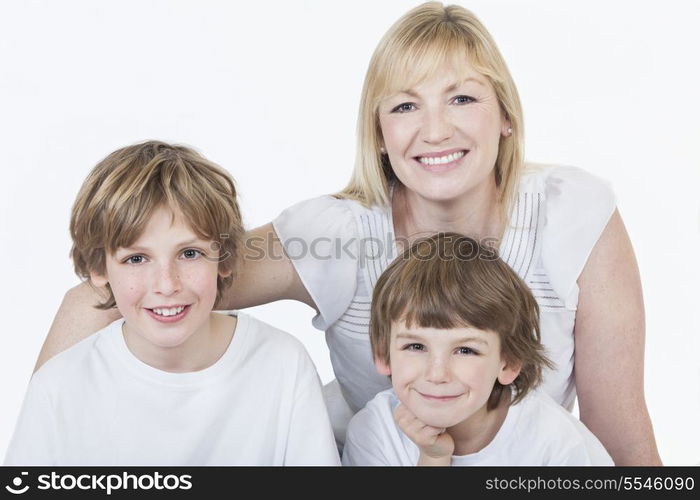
[
  {"x": 451, "y": 88},
  {"x": 463, "y": 340},
  {"x": 144, "y": 249}
]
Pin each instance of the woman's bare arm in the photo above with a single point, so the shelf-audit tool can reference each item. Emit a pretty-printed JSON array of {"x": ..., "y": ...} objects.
[
  {"x": 609, "y": 354},
  {"x": 76, "y": 319},
  {"x": 265, "y": 275}
]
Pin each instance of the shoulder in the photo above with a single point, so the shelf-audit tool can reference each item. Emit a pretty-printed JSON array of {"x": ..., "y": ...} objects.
[
  {"x": 322, "y": 238},
  {"x": 382, "y": 405},
  {"x": 562, "y": 437},
  {"x": 377, "y": 414},
  {"x": 564, "y": 183},
  {"x": 576, "y": 207},
  {"x": 276, "y": 348},
  {"x": 73, "y": 364},
  {"x": 540, "y": 409},
  {"x": 324, "y": 215},
  {"x": 265, "y": 336},
  {"x": 373, "y": 438},
  {"x": 545, "y": 424}
]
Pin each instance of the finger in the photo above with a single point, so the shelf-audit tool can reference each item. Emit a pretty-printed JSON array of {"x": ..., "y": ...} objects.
[
  {"x": 430, "y": 433},
  {"x": 406, "y": 419},
  {"x": 402, "y": 411}
]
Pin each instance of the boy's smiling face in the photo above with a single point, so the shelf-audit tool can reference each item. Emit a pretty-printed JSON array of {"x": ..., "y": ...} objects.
[
  {"x": 445, "y": 376},
  {"x": 164, "y": 284}
]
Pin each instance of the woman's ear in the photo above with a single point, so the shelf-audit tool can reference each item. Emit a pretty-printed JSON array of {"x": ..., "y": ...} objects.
[
  {"x": 382, "y": 367},
  {"x": 506, "y": 128},
  {"x": 509, "y": 372},
  {"x": 97, "y": 279}
]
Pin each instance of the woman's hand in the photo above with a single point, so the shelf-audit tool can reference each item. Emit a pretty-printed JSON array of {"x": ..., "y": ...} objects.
[{"x": 435, "y": 444}]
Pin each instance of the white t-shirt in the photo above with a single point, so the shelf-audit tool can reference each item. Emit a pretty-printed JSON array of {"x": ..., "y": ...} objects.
[
  {"x": 339, "y": 248},
  {"x": 536, "y": 431},
  {"x": 97, "y": 404}
]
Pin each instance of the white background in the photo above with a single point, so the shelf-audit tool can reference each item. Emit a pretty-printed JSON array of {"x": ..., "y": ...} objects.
[{"x": 270, "y": 91}]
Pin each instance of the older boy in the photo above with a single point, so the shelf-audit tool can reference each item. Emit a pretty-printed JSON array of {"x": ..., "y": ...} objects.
[
  {"x": 458, "y": 333},
  {"x": 171, "y": 383}
]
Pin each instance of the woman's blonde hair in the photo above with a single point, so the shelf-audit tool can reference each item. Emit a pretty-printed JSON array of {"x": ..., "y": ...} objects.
[
  {"x": 119, "y": 195},
  {"x": 420, "y": 43}
]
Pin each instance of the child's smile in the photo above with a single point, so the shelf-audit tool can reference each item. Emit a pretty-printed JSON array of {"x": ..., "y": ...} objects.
[
  {"x": 165, "y": 286},
  {"x": 168, "y": 314},
  {"x": 445, "y": 376}
]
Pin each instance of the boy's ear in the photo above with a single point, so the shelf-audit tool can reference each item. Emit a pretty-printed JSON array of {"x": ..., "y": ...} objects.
[
  {"x": 382, "y": 367},
  {"x": 97, "y": 279},
  {"x": 509, "y": 372}
]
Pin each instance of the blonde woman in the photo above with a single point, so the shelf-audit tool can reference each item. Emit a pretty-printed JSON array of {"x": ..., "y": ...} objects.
[{"x": 440, "y": 148}]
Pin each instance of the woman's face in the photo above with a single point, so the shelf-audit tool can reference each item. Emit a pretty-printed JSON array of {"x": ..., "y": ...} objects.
[{"x": 442, "y": 136}]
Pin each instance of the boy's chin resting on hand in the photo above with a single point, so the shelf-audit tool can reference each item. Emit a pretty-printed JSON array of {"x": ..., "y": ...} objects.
[{"x": 435, "y": 444}]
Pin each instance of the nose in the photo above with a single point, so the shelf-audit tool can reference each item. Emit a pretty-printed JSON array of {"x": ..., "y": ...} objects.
[
  {"x": 167, "y": 280},
  {"x": 437, "y": 126},
  {"x": 438, "y": 371}
]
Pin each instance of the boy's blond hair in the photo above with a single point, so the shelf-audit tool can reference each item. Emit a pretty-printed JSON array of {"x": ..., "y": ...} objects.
[
  {"x": 448, "y": 281},
  {"x": 121, "y": 193}
]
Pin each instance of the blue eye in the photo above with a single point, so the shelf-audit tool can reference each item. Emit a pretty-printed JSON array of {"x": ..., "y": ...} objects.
[
  {"x": 463, "y": 99},
  {"x": 414, "y": 347},
  {"x": 134, "y": 259},
  {"x": 466, "y": 351},
  {"x": 191, "y": 253},
  {"x": 404, "y": 107}
]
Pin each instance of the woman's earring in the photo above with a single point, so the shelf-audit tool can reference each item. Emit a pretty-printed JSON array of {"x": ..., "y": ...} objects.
[
  {"x": 509, "y": 132},
  {"x": 382, "y": 150}
]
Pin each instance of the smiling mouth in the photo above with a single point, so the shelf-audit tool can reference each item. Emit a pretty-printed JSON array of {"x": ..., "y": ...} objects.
[
  {"x": 439, "y": 162},
  {"x": 432, "y": 397},
  {"x": 168, "y": 311},
  {"x": 442, "y": 160},
  {"x": 168, "y": 314}
]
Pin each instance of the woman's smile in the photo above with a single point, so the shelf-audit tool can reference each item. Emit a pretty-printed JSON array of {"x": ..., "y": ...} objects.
[{"x": 442, "y": 161}]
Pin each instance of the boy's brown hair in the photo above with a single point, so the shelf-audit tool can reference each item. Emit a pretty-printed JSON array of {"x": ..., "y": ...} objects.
[
  {"x": 120, "y": 194},
  {"x": 448, "y": 281}
]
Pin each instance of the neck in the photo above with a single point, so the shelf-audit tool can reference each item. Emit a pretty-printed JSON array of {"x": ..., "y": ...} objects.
[
  {"x": 201, "y": 350},
  {"x": 476, "y": 432},
  {"x": 475, "y": 214}
]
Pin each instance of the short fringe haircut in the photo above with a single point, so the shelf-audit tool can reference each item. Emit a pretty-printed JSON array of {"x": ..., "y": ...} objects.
[
  {"x": 121, "y": 193},
  {"x": 419, "y": 44},
  {"x": 448, "y": 281}
]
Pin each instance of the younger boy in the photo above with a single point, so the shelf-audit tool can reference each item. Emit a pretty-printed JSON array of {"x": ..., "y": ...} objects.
[
  {"x": 458, "y": 333},
  {"x": 172, "y": 383}
]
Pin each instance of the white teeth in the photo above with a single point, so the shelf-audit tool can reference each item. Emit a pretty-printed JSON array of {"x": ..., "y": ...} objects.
[
  {"x": 169, "y": 312},
  {"x": 440, "y": 160}
]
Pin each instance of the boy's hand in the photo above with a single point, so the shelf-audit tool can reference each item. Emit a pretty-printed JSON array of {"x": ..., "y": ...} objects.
[{"x": 436, "y": 446}]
